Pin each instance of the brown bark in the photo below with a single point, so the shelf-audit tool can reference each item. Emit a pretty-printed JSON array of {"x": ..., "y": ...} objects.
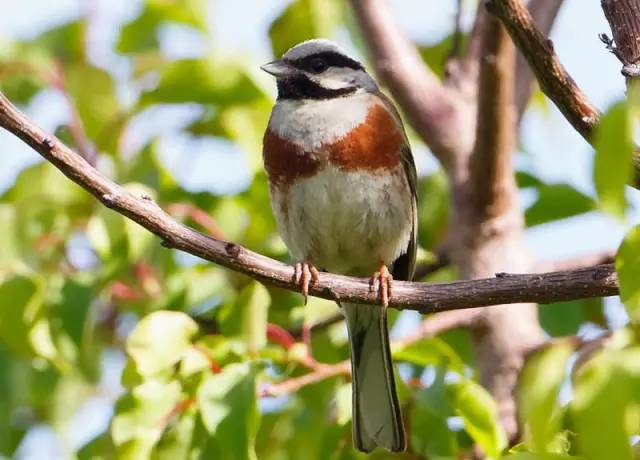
[{"x": 624, "y": 19}]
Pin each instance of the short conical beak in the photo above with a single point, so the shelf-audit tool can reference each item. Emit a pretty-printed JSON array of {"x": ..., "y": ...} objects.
[{"x": 277, "y": 68}]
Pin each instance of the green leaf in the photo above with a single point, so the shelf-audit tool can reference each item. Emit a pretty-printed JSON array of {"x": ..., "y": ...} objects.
[
  {"x": 434, "y": 351},
  {"x": 565, "y": 318},
  {"x": 140, "y": 35},
  {"x": 211, "y": 80},
  {"x": 614, "y": 152},
  {"x": 628, "y": 269},
  {"x": 303, "y": 20},
  {"x": 431, "y": 435},
  {"x": 480, "y": 415},
  {"x": 606, "y": 391},
  {"x": 435, "y": 56},
  {"x": 540, "y": 456},
  {"x": 20, "y": 309},
  {"x": 246, "y": 318},
  {"x": 94, "y": 96},
  {"x": 228, "y": 405},
  {"x": 160, "y": 340},
  {"x": 142, "y": 415},
  {"x": 433, "y": 211},
  {"x": 557, "y": 201},
  {"x": 176, "y": 443},
  {"x": 538, "y": 393}
]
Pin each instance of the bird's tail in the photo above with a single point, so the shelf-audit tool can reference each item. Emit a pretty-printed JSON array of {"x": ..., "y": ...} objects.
[{"x": 377, "y": 420}]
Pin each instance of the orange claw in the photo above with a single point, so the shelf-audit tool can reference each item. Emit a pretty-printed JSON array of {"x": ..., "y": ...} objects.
[
  {"x": 305, "y": 274},
  {"x": 382, "y": 281}
]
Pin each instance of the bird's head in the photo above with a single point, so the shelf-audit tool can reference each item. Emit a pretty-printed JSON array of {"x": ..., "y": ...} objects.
[{"x": 319, "y": 69}]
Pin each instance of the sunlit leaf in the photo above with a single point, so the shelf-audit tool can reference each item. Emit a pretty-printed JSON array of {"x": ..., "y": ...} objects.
[
  {"x": 160, "y": 340},
  {"x": 606, "y": 389},
  {"x": 227, "y": 403},
  {"x": 141, "y": 34},
  {"x": 628, "y": 269},
  {"x": 614, "y": 151},
  {"x": 538, "y": 392},
  {"x": 303, "y": 20},
  {"x": 555, "y": 202},
  {"x": 247, "y": 317},
  {"x": 479, "y": 413}
]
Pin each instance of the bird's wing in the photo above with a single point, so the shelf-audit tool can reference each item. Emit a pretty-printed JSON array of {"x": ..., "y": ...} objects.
[{"x": 404, "y": 266}]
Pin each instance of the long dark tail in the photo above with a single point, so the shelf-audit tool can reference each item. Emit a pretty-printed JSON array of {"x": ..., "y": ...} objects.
[{"x": 377, "y": 420}]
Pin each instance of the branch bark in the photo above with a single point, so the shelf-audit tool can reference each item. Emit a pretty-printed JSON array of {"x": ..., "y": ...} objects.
[
  {"x": 553, "y": 78},
  {"x": 423, "y": 297},
  {"x": 624, "y": 19},
  {"x": 491, "y": 173},
  {"x": 544, "y": 13}
]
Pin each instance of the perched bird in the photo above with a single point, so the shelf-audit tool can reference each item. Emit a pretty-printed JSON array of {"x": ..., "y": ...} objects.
[{"x": 343, "y": 189}]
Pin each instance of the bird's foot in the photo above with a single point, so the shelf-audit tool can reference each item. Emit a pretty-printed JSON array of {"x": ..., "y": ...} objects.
[
  {"x": 382, "y": 282},
  {"x": 305, "y": 275}
]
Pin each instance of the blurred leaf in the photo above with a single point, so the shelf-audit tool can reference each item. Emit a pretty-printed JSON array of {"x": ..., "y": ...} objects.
[
  {"x": 538, "y": 394},
  {"x": 480, "y": 415},
  {"x": 141, "y": 34},
  {"x": 20, "y": 309},
  {"x": 430, "y": 434},
  {"x": 606, "y": 389},
  {"x": 141, "y": 416},
  {"x": 435, "y": 56},
  {"x": 628, "y": 269},
  {"x": 94, "y": 95},
  {"x": 555, "y": 202},
  {"x": 433, "y": 209},
  {"x": 432, "y": 351},
  {"x": 614, "y": 151},
  {"x": 540, "y": 456},
  {"x": 211, "y": 80},
  {"x": 9, "y": 250},
  {"x": 227, "y": 403},
  {"x": 65, "y": 42},
  {"x": 176, "y": 443},
  {"x": 160, "y": 340},
  {"x": 303, "y": 20},
  {"x": 246, "y": 318},
  {"x": 565, "y": 318}
]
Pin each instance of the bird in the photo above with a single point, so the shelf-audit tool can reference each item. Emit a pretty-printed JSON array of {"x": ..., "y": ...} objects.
[{"x": 342, "y": 183}]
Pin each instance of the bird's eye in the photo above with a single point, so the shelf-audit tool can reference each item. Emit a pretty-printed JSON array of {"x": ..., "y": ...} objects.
[{"x": 318, "y": 65}]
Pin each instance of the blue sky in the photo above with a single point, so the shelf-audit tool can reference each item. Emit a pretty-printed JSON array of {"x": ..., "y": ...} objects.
[{"x": 549, "y": 146}]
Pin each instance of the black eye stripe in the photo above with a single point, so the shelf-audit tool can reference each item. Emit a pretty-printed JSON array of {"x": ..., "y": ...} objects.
[{"x": 332, "y": 59}]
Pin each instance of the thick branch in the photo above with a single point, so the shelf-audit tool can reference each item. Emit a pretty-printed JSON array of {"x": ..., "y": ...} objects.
[
  {"x": 426, "y": 298},
  {"x": 553, "y": 78},
  {"x": 544, "y": 13},
  {"x": 492, "y": 180},
  {"x": 624, "y": 19},
  {"x": 431, "y": 107}
]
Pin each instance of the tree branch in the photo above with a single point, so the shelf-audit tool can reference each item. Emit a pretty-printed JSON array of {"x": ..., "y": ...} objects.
[
  {"x": 431, "y": 107},
  {"x": 624, "y": 19},
  {"x": 553, "y": 78},
  {"x": 492, "y": 184},
  {"x": 544, "y": 13},
  {"x": 423, "y": 297}
]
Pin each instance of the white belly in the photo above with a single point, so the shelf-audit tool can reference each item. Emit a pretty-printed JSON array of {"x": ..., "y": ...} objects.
[{"x": 346, "y": 222}]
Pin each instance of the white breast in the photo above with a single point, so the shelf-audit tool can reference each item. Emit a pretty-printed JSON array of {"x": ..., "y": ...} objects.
[
  {"x": 346, "y": 221},
  {"x": 311, "y": 123}
]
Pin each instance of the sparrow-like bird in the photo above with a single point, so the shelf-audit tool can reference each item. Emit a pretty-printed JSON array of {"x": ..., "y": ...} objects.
[{"x": 343, "y": 189}]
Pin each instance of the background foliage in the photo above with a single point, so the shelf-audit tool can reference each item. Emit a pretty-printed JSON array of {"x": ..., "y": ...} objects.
[{"x": 81, "y": 287}]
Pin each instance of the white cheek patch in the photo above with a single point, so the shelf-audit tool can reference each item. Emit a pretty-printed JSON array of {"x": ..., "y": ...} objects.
[{"x": 312, "y": 123}]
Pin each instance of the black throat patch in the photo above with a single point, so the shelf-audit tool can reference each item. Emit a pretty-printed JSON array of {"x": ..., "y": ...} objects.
[{"x": 299, "y": 86}]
